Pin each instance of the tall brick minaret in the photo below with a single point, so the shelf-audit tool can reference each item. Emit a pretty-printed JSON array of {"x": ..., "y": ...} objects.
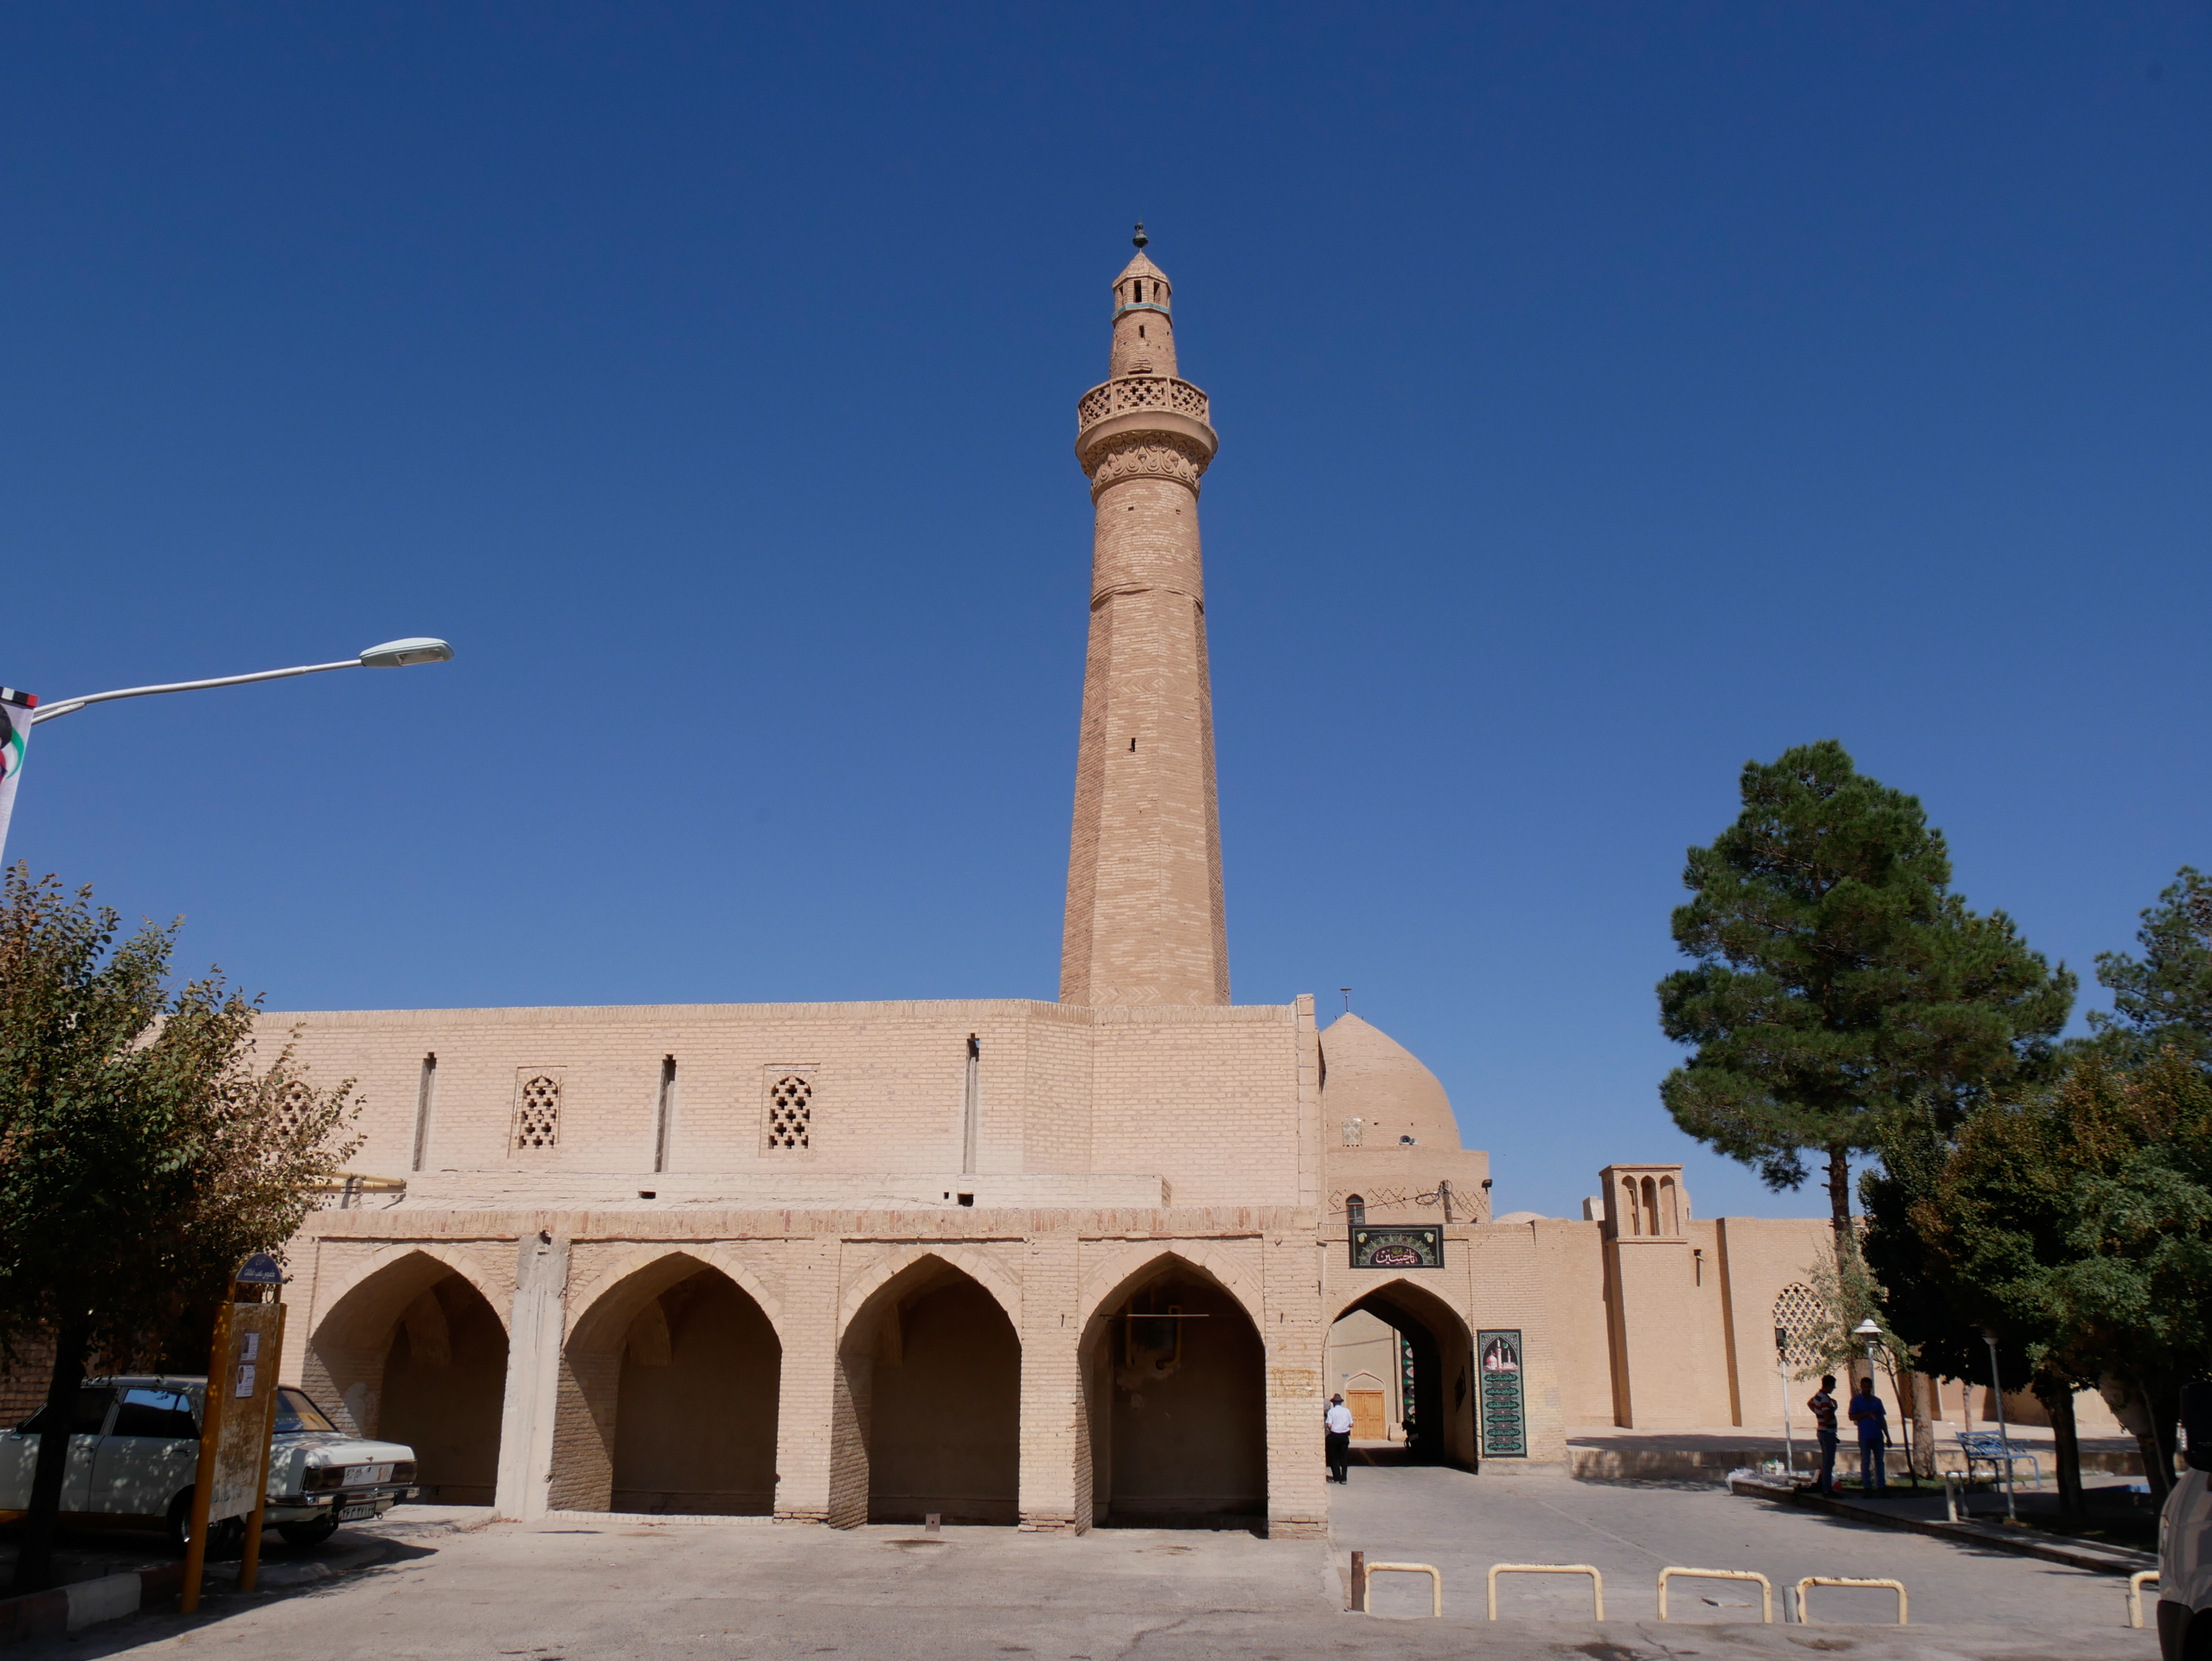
[{"x": 1145, "y": 915}]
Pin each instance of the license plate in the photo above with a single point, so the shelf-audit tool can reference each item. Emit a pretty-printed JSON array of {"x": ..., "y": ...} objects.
[
  {"x": 366, "y": 1476},
  {"x": 355, "y": 1513}
]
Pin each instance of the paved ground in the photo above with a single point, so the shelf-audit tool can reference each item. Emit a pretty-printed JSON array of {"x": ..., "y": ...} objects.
[{"x": 576, "y": 1589}]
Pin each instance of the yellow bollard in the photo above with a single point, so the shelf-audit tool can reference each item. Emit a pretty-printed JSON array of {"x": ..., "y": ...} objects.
[
  {"x": 1597, "y": 1580},
  {"x": 2136, "y": 1582},
  {"x": 1766, "y": 1586},
  {"x": 1435, "y": 1583},
  {"x": 1898, "y": 1587}
]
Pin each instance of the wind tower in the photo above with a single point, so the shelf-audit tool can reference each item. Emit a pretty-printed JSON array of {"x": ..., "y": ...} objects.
[{"x": 1145, "y": 923}]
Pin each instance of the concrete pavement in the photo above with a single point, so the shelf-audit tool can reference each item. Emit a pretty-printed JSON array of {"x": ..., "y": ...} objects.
[{"x": 577, "y": 1588}]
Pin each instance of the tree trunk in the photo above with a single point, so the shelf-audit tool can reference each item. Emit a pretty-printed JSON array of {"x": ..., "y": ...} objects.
[
  {"x": 2162, "y": 1401},
  {"x": 34, "y": 1558},
  {"x": 1922, "y": 1454},
  {"x": 2057, "y": 1394},
  {"x": 1839, "y": 1208}
]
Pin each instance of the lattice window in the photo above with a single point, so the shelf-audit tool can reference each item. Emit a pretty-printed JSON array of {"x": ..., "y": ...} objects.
[
  {"x": 537, "y": 1113},
  {"x": 1799, "y": 1312},
  {"x": 292, "y": 1104},
  {"x": 791, "y": 1113}
]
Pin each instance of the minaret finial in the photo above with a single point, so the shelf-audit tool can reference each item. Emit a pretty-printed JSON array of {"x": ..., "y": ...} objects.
[{"x": 1140, "y": 239}]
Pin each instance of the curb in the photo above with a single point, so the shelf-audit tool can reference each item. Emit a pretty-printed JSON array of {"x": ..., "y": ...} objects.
[
  {"x": 71, "y": 1608},
  {"x": 68, "y": 1609},
  {"x": 2102, "y": 1560}
]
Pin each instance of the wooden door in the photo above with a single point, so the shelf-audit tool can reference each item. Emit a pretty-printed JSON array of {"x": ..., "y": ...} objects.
[{"x": 1367, "y": 1423}]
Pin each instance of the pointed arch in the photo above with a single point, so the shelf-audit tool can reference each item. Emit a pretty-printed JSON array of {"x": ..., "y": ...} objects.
[
  {"x": 1443, "y": 1387},
  {"x": 926, "y": 1409},
  {"x": 458, "y": 1260},
  {"x": 671, "y": 1386},
  {"x": 630, "y": 1282},
  {"x": 1109, "y": 1279},
  {"x": 412, "y": 1346},
  {"x": 1172, "y": 1355},
  {"x": 980, "y": 1266}
]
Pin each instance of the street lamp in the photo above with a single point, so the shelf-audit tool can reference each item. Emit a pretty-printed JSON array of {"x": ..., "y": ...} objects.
[
  {"x": 2004, "y": 1435},
  {"x": 392, "y": 654},
  {"x": 1782, "y": 1368},
  {"x": 20, "y": 711}
]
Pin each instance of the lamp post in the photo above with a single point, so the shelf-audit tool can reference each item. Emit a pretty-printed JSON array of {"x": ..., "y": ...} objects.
[
  {"x": 1869, "y": 1335},
  {"x": 392, "y": 654},
  {"x": 2004, "y": 1435},
  {"x": 1782, "y": 1370}
]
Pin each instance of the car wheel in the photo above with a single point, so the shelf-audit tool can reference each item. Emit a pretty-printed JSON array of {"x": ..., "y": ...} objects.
[
  {"x": 180, "y": 1520},
  {"x": 312, "y": 1532},
  {"x": 226, "y": 1540}
]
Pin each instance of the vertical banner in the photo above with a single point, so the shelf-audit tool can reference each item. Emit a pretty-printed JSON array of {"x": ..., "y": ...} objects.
[
  {"x": 14, "y": 732},
  {"x": 1504, "y": 1419}
]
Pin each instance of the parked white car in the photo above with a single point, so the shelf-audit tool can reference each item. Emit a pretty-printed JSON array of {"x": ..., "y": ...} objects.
[
  {"x": 134, "y": 1451},
  {"x": 2185, "y": 1539}
]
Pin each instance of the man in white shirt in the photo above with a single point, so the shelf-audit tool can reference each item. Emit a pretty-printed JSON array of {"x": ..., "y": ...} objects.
[{"x": 1337, "y": 1438}]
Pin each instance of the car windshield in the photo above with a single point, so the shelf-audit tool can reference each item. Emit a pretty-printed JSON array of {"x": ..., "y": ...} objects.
[{"x": 295, "y": 1412}]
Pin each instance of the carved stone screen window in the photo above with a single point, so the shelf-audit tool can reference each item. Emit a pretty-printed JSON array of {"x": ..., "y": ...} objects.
[
  {"x": 292, "y": 1106},
  {"x": 537, "y": 1111},
  {"x": 789, "y": 1127},
  {"x": 1799, "y": 1313}
]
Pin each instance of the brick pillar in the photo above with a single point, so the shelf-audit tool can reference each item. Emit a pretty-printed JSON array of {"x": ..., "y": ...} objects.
[
  {"x": 1055, "y": 1490},
  {"x": 534, "y": 1336},
  {"x": 808, "y": 1382},
  {"x": 1297, "y": 1500}
]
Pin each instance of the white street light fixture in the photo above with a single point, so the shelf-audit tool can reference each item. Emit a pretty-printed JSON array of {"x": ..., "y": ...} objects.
[
  {"x": 392, "y": 654},
  {"x": 20, "y": 711}
]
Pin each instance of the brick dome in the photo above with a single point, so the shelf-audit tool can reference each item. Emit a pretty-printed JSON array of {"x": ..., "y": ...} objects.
[{"x": 1370, "y": 1076}]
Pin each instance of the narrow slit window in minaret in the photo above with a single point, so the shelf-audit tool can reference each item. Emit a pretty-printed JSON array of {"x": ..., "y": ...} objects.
[
  {"x": 1132, "y": 746},
  {"x": 1139, "y": 288},
  {"x": 1140, "y": 332}
]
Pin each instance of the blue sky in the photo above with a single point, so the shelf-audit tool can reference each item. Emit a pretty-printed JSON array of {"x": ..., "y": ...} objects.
[{"x": 1608, "y": 395}]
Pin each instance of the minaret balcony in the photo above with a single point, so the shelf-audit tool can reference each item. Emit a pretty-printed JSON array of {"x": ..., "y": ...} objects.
[
  {"x": 1137, "y": 407},
  {"x": 1139, "y": 391}
]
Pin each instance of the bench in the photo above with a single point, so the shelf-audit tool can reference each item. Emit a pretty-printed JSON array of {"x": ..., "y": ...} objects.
[{"x": 1989, "y": 1447}]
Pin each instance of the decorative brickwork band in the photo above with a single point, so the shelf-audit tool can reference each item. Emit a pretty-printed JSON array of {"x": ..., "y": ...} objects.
[{"x": 1146, "y": 455}]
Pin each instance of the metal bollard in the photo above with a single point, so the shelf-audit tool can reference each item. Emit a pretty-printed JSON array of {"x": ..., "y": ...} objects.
[
  {"x": 2136, "y": 1582},
  {"x": 1435, "y": 1583},
  {"x": 1597, "y": 1580},
  {"x": 1359, "y": 1581},
  {"x": 1898, "y": 1587},
  {"x": 1766, "y": 1586}
]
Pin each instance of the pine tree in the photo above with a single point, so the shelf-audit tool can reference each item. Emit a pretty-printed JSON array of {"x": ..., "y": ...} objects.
[
  {"x": 1838, "y": 980},
  {"x": 2164, "y": 998}
]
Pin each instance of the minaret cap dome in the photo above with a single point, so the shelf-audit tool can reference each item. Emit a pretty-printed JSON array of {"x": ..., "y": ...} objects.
[
  {"x": 1370, "y": 1076},
  {"x": 1142, "y": 266}
]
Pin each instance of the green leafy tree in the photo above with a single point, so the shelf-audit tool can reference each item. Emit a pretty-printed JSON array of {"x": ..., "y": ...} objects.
[
  {"x": 2165, "y": 997},
  {"x": 2076, "y": 1224},
  {"x": 142, "y": 1155},
  {"x": 1838, "y": 980},
  {"x": 1959, "y": 1244}
]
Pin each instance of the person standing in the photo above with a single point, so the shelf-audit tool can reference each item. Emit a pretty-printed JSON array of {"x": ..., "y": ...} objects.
[
  {"x": 1337, "y": 1425},
  {"x": 1873, "y": 1420},
  {"x": 1823, "y": 1418}
]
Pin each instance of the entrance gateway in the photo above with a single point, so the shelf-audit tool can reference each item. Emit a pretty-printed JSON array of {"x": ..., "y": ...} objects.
[{"x": 886, "y": 1259}]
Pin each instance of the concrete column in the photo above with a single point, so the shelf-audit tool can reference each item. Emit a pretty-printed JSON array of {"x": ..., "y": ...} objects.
[
  {"x": 1298, "y": 1501},
  {"x": 534, "y": 1336},
  {"x": 809, "y": 1383},
  {"x": 1055, "y": 1491}
]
